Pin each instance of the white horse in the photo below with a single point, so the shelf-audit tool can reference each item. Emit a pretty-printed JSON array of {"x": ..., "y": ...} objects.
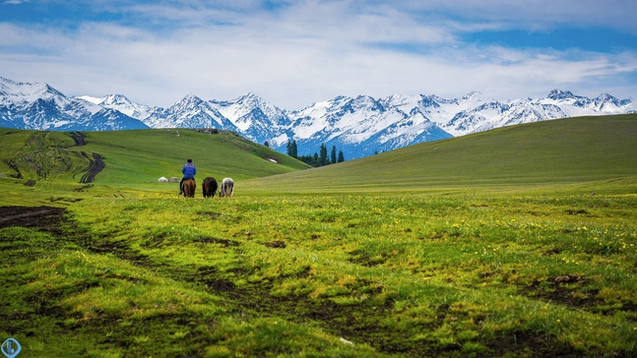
[{"x": 227, "y": 188}]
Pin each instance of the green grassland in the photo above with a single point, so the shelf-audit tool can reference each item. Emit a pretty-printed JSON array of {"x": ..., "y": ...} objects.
[
  {"x": 134, "y": 160},
  {"x": 565, "y": 151},
  {"x": 517, "y": 242},
  {"x": 138, "y": 156}
]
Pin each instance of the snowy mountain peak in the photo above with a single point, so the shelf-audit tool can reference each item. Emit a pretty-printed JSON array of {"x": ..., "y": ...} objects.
[
  {"x": 116, "y": 99},
  {"x": 359, "y": 125},
  {"x": 606, "y": 101},
  {"x": 120, "y": 103},
  {"x": 236, "y": 110},
  {"x": 8, "y": 86},
  {"x": 250, "y": 98},
  {"x": 473, "y": 95},
  {"x": 190, "y": 98},
  {"x": 25, "y": 92},
  {"x": 557, "y": 94},
  {"x": 94, "y": 100},
  {"x": 40, "y": 106},
  {"x": 605, "y": 97}
]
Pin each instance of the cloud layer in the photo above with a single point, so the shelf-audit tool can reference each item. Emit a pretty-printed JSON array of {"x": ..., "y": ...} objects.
[{"x": 295, "y": 52}]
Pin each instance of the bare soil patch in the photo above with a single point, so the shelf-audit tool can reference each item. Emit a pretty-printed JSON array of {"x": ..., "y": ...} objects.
[{"x": 44, "y": 217}]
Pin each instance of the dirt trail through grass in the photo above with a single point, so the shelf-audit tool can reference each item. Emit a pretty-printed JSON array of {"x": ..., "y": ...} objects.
[
  {"x": 78, "y": 138},
  {"x": 96, "y": 165},
  {"x": 40, "y": 217}
]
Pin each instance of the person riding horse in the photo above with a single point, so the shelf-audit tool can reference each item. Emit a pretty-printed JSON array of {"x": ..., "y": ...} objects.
[{"x": 189, "y": 172}]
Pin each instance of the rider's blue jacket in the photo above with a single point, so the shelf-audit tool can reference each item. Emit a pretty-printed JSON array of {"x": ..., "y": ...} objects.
[{"x": 189, "y": 170}]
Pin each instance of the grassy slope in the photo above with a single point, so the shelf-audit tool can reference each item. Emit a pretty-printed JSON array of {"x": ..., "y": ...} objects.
[
  {"x": 134, "y": 161},
  {"x": 144, "y": 156},
  {"x": 399, "y": 275},
  {"x": 570, "y": 150},
  {"x": 38, "y": 154}
]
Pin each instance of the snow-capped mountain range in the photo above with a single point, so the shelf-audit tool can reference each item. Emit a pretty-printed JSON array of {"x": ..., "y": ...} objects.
[
  {"x": 40, "y": 106},
  {"x": 359, "y": 126}
]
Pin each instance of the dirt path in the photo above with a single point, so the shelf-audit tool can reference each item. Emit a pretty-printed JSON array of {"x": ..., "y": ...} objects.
[
  {"x": 78, "y": 137},
  {"x": 96, "y": 164},
  {"x": 95, "y": 167},
  {"x": 37, "y": 216}
]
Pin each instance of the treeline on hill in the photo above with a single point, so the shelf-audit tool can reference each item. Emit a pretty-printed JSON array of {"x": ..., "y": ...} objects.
[{"x": 318, "y": 159}]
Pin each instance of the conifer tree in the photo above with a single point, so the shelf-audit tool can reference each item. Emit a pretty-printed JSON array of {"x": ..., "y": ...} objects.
[
  {"x": 292, "y": 149},
  {"x": 323, "y": 155}
]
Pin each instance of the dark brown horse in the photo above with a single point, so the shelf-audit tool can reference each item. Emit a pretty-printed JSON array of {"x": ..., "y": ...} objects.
[
  {"x": 209, "y": 187},
  {"x": 188, "y": 187}
]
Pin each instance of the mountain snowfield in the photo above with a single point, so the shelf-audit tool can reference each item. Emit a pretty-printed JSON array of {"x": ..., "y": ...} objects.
[{"x": 358, "y": 126}]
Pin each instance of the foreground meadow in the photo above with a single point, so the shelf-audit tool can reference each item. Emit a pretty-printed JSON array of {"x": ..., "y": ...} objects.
[{"x": 443, "y": 273}]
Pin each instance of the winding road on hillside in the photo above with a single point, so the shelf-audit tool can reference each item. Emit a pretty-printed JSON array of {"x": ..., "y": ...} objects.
[
  {"x": 96, "y": 163},
  {"x": 95, "y": 166},
  {"x": 78, "y": 137}
]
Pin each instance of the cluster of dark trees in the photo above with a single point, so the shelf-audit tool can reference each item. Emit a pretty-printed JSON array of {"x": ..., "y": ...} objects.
[{"x": 318, "y": 159}]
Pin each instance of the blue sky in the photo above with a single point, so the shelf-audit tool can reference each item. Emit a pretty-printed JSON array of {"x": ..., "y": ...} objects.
[{"x": 293, "y": 53}]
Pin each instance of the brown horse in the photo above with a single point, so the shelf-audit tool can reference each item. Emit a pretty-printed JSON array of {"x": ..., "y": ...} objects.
[
  {"x": 188, "y": 187},
  {"x": 209, "y": 187}
]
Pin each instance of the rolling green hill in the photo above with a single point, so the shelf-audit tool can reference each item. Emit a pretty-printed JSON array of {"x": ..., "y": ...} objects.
[
  {"x": 133, "y": 157},
  {"x": 119, "y": 265},
  {"x": 560, "y": 151},
  {"x": 551, "y": 152}
]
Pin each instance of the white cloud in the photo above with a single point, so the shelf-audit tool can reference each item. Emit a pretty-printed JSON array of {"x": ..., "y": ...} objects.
[
  {"x": 528, "y": 14},
  {"x": 308, "y": 51}
]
